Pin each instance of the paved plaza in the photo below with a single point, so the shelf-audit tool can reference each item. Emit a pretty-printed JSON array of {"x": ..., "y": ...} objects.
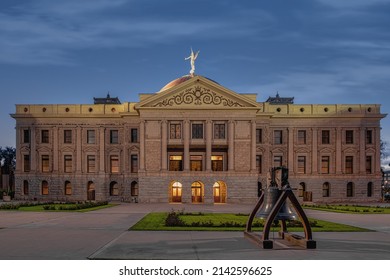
[{"x": 104, "y": 234}]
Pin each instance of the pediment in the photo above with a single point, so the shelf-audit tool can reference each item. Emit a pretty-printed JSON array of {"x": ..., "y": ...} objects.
[{"x": 198, "y": 93}]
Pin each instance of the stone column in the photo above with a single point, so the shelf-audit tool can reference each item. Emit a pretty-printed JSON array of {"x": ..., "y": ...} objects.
[
  {"x": 79, "y": 138},
  {"x": 209, "y": 133},
  {"x": 186, "y": 158},
  {"x": 253, "y": 146},
  {"x": 362, "y": 148},
  {"x": 55, "y": 149},
  {"x": 339, "y": 162},
  {"x": 33, "y": 152},
  {"x": 102, "y": 131},
  {"x": 314, "y": 151},
  {"x": 164, "y": 140},
  {"x": 231, "y": 146},
  {"x": 291, "y": 150},
  {"x": 142, "y": 137}
]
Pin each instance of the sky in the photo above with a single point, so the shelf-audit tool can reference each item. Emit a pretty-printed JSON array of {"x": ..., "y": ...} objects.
[{"x": 67, "y": 52}]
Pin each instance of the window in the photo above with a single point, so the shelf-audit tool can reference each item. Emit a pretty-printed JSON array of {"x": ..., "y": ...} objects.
[
  {"x": 196, "y": 163},
  {"x": 349, "y": 136},
  {"x": 326, "y": 189},
  {"x": 302, "y": 164},
  {"x": 325, "y": 137},
  {"x": 259, "y": 163},
  {"x": 278, "y": 161},
  {"x": 68, "y": 188},
  {"x": 368, "y": 164},
  {"x": 349, "y": 164},
  {"x": 259, "y": 135},
  {"x": 26, "y": 136},
  {"x": 68, "y": 164},
  {"x": 325, "y": 163},
  {"x": 350, "y": 187},
  {"x": 25, "y": 187},
  {"x": 45, "y": 136},
  {"x": 301, "y": 189},
  {"x": 114, "y": 189},
  {"x": 68, "y": 136},
  {"x": 91, "y": 137},
  {"x": 219, "y": 131},
  {"x": 91, "y": 164},
  {"x": 301, "y": 137},
  {"x": 114, "y": 164},
  {"x": 368, "y": 136},
  {"x": 26, "y": 163},
  {"x": 134, "y": 135},
  {"x": 45, "y": 163},
  {"x": 217, "y": 163},
  {"x": 175, "y": 163},
  {"x": 45, "y": 188},
  {"x": 134, "y": 188},
  {"x": 197, "y": 131},
  {"x": 369, "y": 189},
  {"x": 278, "y": 137},
  {"x": 175, "y": 131},
  {"x": 134, "y": 163},
  {"x": 114, "y": 139}
]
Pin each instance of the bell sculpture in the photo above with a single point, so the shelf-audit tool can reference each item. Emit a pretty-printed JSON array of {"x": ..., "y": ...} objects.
[{"x": 273, "y": 206}]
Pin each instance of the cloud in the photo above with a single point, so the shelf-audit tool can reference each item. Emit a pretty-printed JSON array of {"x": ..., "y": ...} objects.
[{"x": 341, "y": 4}]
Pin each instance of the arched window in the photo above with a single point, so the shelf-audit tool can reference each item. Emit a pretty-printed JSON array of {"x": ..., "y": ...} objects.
[
  {"x": 369, "y": 189},
  {"x": 197, "y": 192},
  {"x": 114, "y": 188},
  {"x": 68, "y": 188},
  {"x": 90, "y": 191},
  {"x": 45, "y": 188},
  {"x": 176, "y": 191},
  {"x": 134, "y": 188},
  {"x": 350, "y": 189},
  {"x": 25, "y": 187},
  {"x": 326, "y": 189},
  {"x": 301, "y": 189},
  {"x": 219, "y": 192}
]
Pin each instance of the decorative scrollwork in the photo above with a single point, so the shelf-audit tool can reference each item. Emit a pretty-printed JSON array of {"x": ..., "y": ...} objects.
[{"x": 198, "y": 96}]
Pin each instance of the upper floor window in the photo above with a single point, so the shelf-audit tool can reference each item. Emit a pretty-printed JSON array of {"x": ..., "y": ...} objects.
[
  {"x": 278, "y": 137},
  {"x": 259, "y": 135},
  {"x": 26, "y": 136},
  {"x": 368, "y": 164},
  {"x": 114, "y": 164},
  {"x": 67, "y": 136},
  {"x": 259, "y": 163},
  {"x": 196, "y": 163},
  {"x": 175, "y": 163},
  {"x": 369, "y": 137},
  {"x": 134, "y": 163},
  {"x": 44, "y": 136},
  {"x": 91, "y": 139},
  {"x": 91, "y": 164},
  {"x": 197, "y": 131},
  {"x": 301, "y": 137},
  {"x": 68, "y": 164},
  {"x": 325, "y": 163},
  {"x": 134, "y": 135},
  {"x": 302, "y": 164},
  {"x": 114, "y": 137},
  {"x": 349, "y": 136},
  {"x": 278, "y": 161},
  {"x": 217, "y": 163},
  {"x": 45, "y": 163},
  {"x": 175, "y": 131},
  {"x": 219, "y": 131},
  {"x": 26, "y": 163},
  {"x": 325, "y": 137},
  {"x": 349, "y": 164}
]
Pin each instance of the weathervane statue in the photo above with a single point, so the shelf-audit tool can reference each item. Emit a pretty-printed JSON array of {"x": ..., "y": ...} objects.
[{"x": 192, "y": 58}]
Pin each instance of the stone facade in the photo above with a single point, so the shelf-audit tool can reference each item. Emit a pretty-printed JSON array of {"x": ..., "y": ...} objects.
[{"x": 196, "y": 142}]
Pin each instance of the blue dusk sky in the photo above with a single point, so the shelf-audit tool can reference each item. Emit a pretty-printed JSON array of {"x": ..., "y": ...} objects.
[{"x": 67, "y": 52}]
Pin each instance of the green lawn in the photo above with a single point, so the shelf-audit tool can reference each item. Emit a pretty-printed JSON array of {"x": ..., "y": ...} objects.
[
  {"x": 353, "y": 209},
  {"x": 39, "y": 208},
  {"x": 156, "y": 222}
]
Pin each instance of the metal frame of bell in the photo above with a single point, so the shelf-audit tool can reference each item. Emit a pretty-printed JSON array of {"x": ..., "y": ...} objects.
[{"x": 286, "y": 192}]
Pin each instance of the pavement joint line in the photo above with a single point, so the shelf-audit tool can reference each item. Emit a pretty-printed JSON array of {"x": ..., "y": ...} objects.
[
  {"x": 101, "y": 249},
  {"x": 194, "y": 247}
]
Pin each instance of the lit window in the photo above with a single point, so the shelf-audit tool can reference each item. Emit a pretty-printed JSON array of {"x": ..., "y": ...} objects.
[
  {"x": 217, "y": 163},
  {"x": 175, "y": 163},
  {"x": 196, "y": 163}
]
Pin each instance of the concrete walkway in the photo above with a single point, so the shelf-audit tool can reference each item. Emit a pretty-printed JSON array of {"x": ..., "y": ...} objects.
[{"x": 104, "y": 234}]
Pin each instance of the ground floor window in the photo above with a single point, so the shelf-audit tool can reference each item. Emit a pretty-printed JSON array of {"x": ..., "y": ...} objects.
[
  {"x": 350, "y": 189},
  {"x": 326, "y": 189},
  {"x": 45, "y": 188},
  {"x": 134, "y": 188},
  {"x": 114, "y": 189},
  {"x": 68, "y": 188},
  {"x": 25, "y": 187},
  {"x": 219, "y": 192},
  {"x": 369, "y": 189},
  {"x": 91, "y": 191},
  {"x": 197, "y": 192},
  {"x": 176, "y": 191}
]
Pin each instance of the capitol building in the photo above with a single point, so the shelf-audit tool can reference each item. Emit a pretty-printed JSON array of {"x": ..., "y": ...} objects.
[{"x": 196, "y": 141}]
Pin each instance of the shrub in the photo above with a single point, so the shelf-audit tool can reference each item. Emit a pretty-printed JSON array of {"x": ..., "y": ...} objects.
[{"x": 173, "y": 220}]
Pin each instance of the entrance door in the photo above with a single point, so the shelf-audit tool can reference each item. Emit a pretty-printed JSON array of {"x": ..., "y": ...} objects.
[
  {"x": 91, "y": 191},
  {"x": 176, "y": 194},
  {"x": 217, "y": 194},
  {"x": 196, "y": 194}
]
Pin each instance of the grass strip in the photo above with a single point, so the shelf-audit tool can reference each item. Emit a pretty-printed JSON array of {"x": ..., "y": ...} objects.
[
  {"x": 351, "y": 209},
  {"x": 156, "y": 222}
]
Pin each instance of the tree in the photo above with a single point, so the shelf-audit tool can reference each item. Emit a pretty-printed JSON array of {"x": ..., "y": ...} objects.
[
  {"x": 8, "y": 159},
  {"x": 384, "y": 149}
]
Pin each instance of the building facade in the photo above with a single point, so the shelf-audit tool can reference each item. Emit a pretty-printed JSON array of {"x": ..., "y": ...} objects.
[{"x": 196, "y": 141}]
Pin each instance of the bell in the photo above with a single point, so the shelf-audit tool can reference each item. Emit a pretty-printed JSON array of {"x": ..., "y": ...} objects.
[{"x": 271, "y": 196}]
